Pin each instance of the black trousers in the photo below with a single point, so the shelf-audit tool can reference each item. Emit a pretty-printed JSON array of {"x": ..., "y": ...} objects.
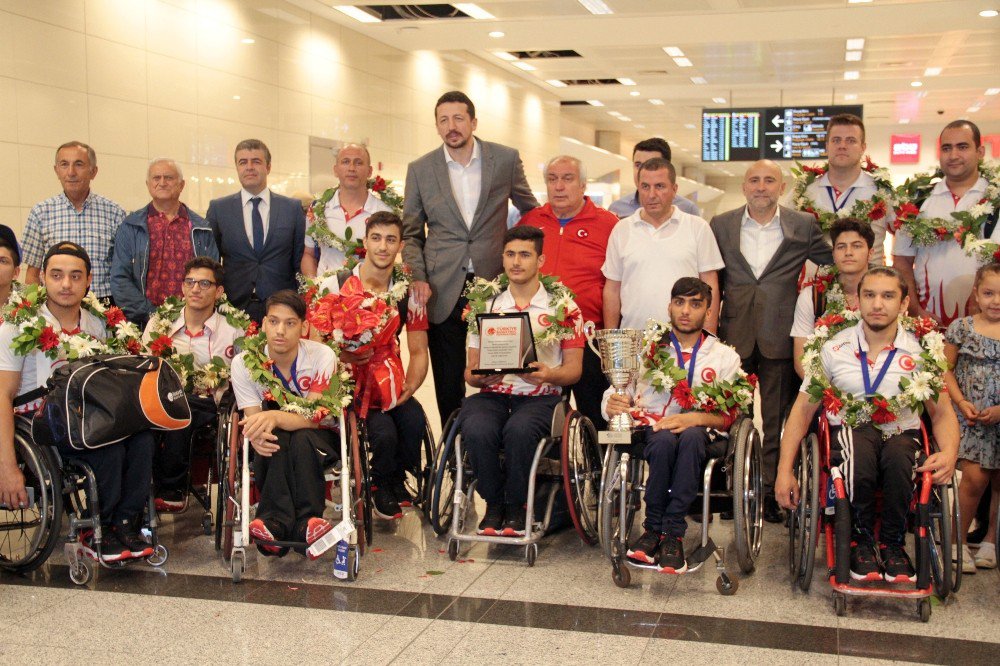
[
  {"x": 291, "y": 483},
  {"x": 123, "y": 472},
  {"x": 590, "y": 389},
  {"x": 172, "y": 461},
  {"x": 674, "y": 477},
  {"x": 778, "y": 387},
  {"x": 870, "y": 463},
  {"x": 446, "y": 343},
  {"x": 395, "y": 438}
]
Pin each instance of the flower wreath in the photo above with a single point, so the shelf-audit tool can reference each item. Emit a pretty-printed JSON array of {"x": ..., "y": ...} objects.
[
  {"x": 35, "y": 332},
  {"x": 837, "y": 311},
  {"x": 963, "y": 226},
  {"x": 872, "y": 209},
  {"x": 203, "y": 379},
  {"x": 402, "y": 276},
  {"x": 350, "y": 246},
  {"x": 565, "y": 320},
  {"x": 331, "y": 402},
  {"x": 663, "y": 374},
  {"x": 924, "y": 383},
  {"x": 14, "y": 297}
]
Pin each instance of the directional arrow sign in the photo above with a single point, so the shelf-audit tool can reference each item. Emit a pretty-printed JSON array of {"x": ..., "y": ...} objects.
[
  {"x": 777, "y": 146},
  {"x": 777, "y": 121}
]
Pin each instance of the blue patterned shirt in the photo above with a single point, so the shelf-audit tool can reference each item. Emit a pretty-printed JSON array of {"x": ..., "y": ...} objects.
[{"x": 55, "y": 220}]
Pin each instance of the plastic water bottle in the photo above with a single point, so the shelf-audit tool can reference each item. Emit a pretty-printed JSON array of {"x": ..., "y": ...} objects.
[{"x": 340, "y": 560}]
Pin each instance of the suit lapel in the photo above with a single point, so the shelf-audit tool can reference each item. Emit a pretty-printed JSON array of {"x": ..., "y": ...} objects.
[
  {"x": 440, "y": 167},
  {"x": 787, "y": 231},
  {"x": 484, "y": 186},
  {"x": 240, "y": 230},
  {"x": 272, "y": 222},
  {"x": 735, "y": 232}
]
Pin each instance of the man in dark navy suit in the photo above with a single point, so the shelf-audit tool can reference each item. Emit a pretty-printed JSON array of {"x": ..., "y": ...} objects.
[{"x": 260, "y": 234}]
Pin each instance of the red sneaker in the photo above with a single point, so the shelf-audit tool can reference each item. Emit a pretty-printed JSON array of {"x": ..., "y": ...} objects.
[
  {"x": 259, "y": 532},
  {"x": 316, "y": 528}
]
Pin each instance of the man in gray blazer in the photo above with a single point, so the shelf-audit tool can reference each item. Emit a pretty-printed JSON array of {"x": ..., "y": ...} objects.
[
  {"x": 765, "y": 247},
  {"x": 454, "y": 219}
]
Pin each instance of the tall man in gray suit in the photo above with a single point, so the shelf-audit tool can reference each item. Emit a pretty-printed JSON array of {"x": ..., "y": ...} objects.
[
  {"x": 260, "y": 234},
  {"x": 454, "y": 220},
  {"x": 765, "y": 246}
]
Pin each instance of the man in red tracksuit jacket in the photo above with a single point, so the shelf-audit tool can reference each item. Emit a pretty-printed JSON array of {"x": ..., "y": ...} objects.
[{"x": 576, "y": 240}]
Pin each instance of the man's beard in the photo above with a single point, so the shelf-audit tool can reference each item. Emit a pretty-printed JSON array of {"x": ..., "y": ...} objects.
[{"x": 878, "y": 328}]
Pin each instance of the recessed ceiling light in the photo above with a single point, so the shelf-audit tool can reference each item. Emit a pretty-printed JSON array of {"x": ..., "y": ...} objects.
[
  {"x": 638, "y": 126},
  {"x": 973, "y": 109},
  {"x": 904, "y": 121},
  {"x": 626, "y": 82},
  {"x": 614, "y": 113},
  {"x": 624, "y": 119},
  {"x": 236, "y": 97},
  {"x": 525, "y": 66},
  {"x": 856, "y": 44},
  {"x": 932, "y": 71},
  {"x": 635, "y": 93},
  {"x": 683, "y": 62},
  {"x": 555, "y": 83},
  {"x": 993, "y": 91},
  {"x": 358, "y": 14},
  {"x": 673, "y": 51},
  {"x": 496, "y": 34},
  {"x": 474, "y": 11},
  {"x": 989, "y": 13},
  {"x": 719, "y": 100},
  {"x": 595, "y": 102},
  {"x": 504, "y": 55},
  {"x": 852, "y": 56},
  {"x": 596, "y": 6},
  {"x": 916, "y": 84},
  {"x": 852, "y": 75},
  {"x": 688, "y": 126},
  {"x": 247, "y": 40},
  {"x": 858, "y": 2},
  {"x": 698, "y": 80},
  {"x": 656, "y": 102},
  {"x": 850, "y": 97}
]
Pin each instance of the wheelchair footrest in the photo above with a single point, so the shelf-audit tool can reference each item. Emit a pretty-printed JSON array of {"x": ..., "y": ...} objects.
[{"x": 702, "y": 553}]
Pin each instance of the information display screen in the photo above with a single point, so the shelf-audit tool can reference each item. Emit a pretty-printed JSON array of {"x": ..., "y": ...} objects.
[{"x": 777, "y": 133}]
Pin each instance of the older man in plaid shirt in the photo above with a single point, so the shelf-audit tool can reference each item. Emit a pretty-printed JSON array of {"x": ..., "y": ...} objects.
[{"x": 76, "y": 215}]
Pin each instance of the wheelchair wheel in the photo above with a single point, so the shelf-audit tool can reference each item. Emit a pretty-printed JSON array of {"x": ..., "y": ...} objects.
[
  {"x": 418, "y": 481},
  {"x": 28, "y": 535},
  {"x": 581, "y": 468},
  {"x": 939, "y": 539},
  {"x": 748, "y": 517},
  {"x": 361, "y": 500},
  {"x": 223, "y": 489},
  {"x": 230, "y": 480},
  {"x": 618, "y": 479},
  {"x": 442, "y": 490},
  {"x": 804, "y": 520}
]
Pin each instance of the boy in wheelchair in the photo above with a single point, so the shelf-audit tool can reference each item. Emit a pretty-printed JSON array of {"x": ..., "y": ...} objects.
[
  {"x": 875, "y": 437},
  {"x": 200, "y": 341},
  {"x": 512, "y": 412},
  {"x": 291, "y": 451},
  {"x": 123, "y": 469},
  {"x": 686, "y": 359}
]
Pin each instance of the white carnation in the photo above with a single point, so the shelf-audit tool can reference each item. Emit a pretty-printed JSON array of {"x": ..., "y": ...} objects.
[{"x": 921, "y": 386}]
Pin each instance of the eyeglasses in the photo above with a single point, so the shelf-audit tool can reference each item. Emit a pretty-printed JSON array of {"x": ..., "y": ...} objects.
[{"x": 190, "y": 283}]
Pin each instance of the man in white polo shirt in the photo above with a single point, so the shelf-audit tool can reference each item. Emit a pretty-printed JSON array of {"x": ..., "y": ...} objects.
[{"x": 654, "y": 247}]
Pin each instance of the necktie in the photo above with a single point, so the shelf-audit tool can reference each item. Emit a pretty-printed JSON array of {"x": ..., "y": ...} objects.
[{"x": 257, "y": 223}]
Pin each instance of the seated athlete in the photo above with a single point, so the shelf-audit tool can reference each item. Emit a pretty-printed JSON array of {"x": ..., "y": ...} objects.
[
  {"x": 684, "y": 367},
  {"x": 872, "y": 378},
  {"x": 122, "y": 469},
  {"x": 200, "y": 341},
  {"x": 291, "y": 450},
  {"x": 512, "y": 412},
  {"x": 384, "y": 393},
  {"x": 833, "y": 293}
]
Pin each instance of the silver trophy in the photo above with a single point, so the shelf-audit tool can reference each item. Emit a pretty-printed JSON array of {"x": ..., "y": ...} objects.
[{"x": 620, "y": 352}]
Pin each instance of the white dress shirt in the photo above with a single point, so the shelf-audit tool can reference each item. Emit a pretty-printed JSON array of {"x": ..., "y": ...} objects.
[
  {"x": 466, "y": 181},
  {"x": 821, "y": 191},
  {"x": 264, "y": 206},
  {"x": 759, "y": 242}
]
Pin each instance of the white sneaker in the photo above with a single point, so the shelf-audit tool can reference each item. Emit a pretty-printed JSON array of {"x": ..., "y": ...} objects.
[
  {"x": 968, "y": 561},
  {"x": 986, "y": 556}
]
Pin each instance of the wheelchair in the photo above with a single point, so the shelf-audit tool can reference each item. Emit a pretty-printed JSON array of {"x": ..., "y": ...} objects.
[
  {"x": 237, "y": 498},
  {"x": 824, "y": 508},
  {"x": 566, "y": 462},
  {"x": 55, "y": 487},
  {"x": 732, "y": 480}
]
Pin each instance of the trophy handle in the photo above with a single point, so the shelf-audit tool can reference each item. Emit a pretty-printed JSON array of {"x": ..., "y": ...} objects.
[{"x": 590, "y": 331}]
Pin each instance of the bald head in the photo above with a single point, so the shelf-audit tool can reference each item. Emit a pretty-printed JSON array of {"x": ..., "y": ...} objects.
[
  {"x": 763, "y": 185},
  {"x": 353, "y": 167}
]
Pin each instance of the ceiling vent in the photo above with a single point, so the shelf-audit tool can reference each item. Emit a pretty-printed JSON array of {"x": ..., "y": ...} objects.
[
  {"x": 592, "y": 82},
  {"x": 414, "y": 12},
  {"x": 531, "y": 55}
]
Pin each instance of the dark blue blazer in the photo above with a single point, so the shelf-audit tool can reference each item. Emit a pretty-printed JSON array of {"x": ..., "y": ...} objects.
[{"x": 248, "y": 274}]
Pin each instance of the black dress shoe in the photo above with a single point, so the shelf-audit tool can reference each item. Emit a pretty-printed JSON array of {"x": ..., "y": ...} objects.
[{"x": 772, "y": 512}]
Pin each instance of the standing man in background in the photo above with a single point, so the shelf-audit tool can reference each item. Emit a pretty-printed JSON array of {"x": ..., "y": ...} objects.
[
  {"x": 647, "y": 149},
  {"x": 260, "y": 234},
  {"x": 454, "y": 220}
]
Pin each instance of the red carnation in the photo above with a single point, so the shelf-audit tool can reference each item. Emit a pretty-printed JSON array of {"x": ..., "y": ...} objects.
[
  {"x": 162, "y": 346},
  {"x": 752, "y": 378},
  {"x": 114, "y": 316},
  {"x": 869, "y": 165},
  {"x": 923, "y": 325},
  {"x": 49, "y": 339},
  {"x": 268, "y": 397},
  {"x": 23, "y": 305},
  {"x": 996, "y": 255},
  {"x": 877, "y": 212},
  {"x": 819, "y": 171},
  {"x": 905, "y": 213},
  {"x": 941, "y": 232},
  {"x": 810, "y": 209},
  {"x": 268, "y": 364},
  {"x": 709, "y": 405},
  {"x": 252, "y": 329},
  {"x": 310, "y": 293},
  {"x": 682, "y": 394},
  {"x": 319, "y": 414},
  {"x": 831, "y": 402},
  {"x": 133, "y": 347},
  {"x": 379, "y": 184},
  {"x": 831, "y": 319},
  {"x": 360, "y": 251},
  {"x": 882, "y": 413}
]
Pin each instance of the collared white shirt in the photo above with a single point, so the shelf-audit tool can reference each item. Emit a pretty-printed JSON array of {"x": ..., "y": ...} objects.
[
  {"x": 216, "y": 338},
  {"x": 331, "y": 258},
  {"x": 821, "y": 191},
  {"x": 466, "y": 181},
  {"x": 943, "y": 272},
  {"x": 550, "y": 353},
  {"x": 841, "y": 359},
  {"x": 648, "y": 260},
  {"x": 715, "y": 360},
  {"x": 759, "y": 242},
  {"x": 314, "y": 365},
  {"x": 264, "y": 206}
]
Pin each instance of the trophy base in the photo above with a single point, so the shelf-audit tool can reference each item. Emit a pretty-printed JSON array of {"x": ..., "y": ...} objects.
[{"x": 611, "y": 437}]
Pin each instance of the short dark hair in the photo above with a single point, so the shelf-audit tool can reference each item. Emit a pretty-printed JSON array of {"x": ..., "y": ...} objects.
[
  {"x": 384, "y": 218},
  {"x": 885, "y": 271},
  {"x": 290, "y": 299},
  {"x": 253, "y": 144},
  {"x": 9, "y": 240},
  {"x": 526, "y": 232},
  {"x": 658, "y": 164},
  {"x": 91, "y": 154},
  {"x": 846, "y": 119},
  {"x": 456, "y": 97},
  {"x": 67, "y": 248},
  {"x": 691, "y": 286},
  {"x": 992, "y": 268},
  {"x": 977, "y": 136},
  {"x": 206, "y": 262},
  {"x": 654, "y": 145},
  {"x": 846, "y": 224}
]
